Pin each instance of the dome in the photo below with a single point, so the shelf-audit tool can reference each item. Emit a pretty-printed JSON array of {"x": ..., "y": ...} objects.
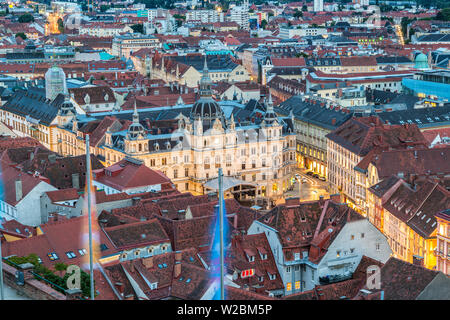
[
  {"x": 421, "y": 61},
  {"x": 135, "y": 130},
  {"x": 55, "y": 82},
  {"x": 66, "y": 107},
  {"x": 421, "y": 58},
  {"x": 206, "y": 109}
]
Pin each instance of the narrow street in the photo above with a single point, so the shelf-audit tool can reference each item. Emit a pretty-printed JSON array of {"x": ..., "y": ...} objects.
[{"x": 310, "y": 189}]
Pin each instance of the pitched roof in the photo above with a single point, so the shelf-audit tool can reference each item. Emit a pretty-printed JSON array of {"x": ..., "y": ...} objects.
[
  {"x": 137, "y": 234},
  {"x": 127, "y": 174},
  {"x": 63, "y": 195},
  {"x": 9, "y": 177},
  {"x": 58, "y": 237},
  {"x": 360, "y": 135},
  {"x": 417, "y": 208},
  {"x": 257, "y": 246},
  {"x": 404, "y": 281},
  {"x": 96, "y": 94}
]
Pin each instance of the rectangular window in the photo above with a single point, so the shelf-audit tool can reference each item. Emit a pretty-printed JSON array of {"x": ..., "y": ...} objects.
[
  {"x": 297, "y": 285},
  {"x": 289, "y": 286}
]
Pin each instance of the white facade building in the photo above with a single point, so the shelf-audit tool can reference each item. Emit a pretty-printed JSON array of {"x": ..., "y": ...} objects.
[{"x": 318, "y": 5}]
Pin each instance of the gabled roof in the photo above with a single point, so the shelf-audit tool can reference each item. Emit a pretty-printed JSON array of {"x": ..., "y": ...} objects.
[
  {"x": 417, "y": 208},
  {"x": 404, "y": 281},
  {"x": 137, "y": 234},
  {"x": 58, "y": 237},
  {"x": 9, "y": 177},
  {"x": 126, "y": 174},
  {"x": 360, "y": 135},
  {"x": 256, "y": 246}
]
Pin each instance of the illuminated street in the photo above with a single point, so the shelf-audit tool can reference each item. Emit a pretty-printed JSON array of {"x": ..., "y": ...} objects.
[{"x": 310, "y": 190}]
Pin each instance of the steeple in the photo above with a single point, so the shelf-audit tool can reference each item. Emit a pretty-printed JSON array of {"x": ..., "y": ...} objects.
[
  {"x": 135, "y": 130},
  {"x": 135, "y": 114},
  {"x": 270, "y": 115},
  {"x": 205, "y": 82}
]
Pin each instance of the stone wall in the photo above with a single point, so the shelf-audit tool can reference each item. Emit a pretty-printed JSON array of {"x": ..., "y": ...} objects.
[{"x": 34, "y": 289}]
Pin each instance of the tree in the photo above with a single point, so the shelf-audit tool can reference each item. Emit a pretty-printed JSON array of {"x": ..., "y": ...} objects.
[
  {"x": 104, "y": 7},
  {"x": 60, "y": 25},
  {"x": 138, "y": 28},
  {"x": 264, "y": 24},
  {"x": 443, "y": 15},
  {"x": 25, "y": 18},
  {"x": 305, "y": 8},
  {"x": 22, "y": 35},
  {"x": 298, "y": 14}
]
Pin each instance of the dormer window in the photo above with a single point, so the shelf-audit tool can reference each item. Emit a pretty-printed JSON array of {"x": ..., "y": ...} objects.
[{"x": 272, "y": 276}]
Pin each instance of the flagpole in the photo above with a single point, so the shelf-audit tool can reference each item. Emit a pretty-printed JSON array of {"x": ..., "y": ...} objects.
[
  {"x": 88, "y": 173},
  {"x": 222, "y": 289},
  {"x": 2, "y": 290},
  {"x": 2, "y": 293}
]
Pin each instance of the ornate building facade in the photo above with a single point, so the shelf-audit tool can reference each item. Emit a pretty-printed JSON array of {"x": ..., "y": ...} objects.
[{"x": 188, "y": 143}]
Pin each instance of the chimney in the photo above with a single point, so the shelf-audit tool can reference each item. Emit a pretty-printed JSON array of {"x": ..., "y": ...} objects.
[
  {"x": 320, "y": 294},
  {"x": 120, "y": 287},
  {"x": 292, "y": 201},
  {"x": 76, "y": 180},
  {"x": 177, "y": 270},
  {"x": 336, "y": 198},
  {"x": 135, "y": 200},
  {"x": 19, "y": 193},
  {"x": 418, "y": 260},
  {"x": 148, "y": 262},
  {"x": 52, "y": 158},
  {"x": 177, "y": 256}
]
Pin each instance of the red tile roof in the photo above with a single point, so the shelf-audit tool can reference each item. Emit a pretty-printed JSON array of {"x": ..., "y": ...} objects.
[
  {"x": 58, "y": 237},
  {"x": 125, "y": 175},
  {"x": 137, "y": 234},
  {"x": 63, "y": 195}
]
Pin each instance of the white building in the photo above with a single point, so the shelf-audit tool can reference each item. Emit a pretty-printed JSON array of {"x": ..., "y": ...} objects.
[
  {"x": 55, "y": 82},
  {"x": 318, "y": 5},
  {"x": 205, "y": 16},
  {"x": 239, "y": 14},
  {"x": 22, "y": 191},
  {"x": 315, "y": 241}
]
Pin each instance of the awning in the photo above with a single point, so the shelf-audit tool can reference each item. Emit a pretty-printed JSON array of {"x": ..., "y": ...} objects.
[{"x": 228, "y": 183}]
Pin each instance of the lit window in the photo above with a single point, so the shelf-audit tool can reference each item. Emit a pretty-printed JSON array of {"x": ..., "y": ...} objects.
[
  {"x": 53, "y": 256},
  {"x": 289, "y": 286},
  {"x": 297, "y": 285},
  {"x": 70, "y": 255}
]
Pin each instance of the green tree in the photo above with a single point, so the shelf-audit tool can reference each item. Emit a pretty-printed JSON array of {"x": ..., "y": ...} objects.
[
  {"x": 104, "y": 7},
  {"x": 263, "y": 24},
  {"x": 22, "y": 35},
  {"x": 138, "y": 28},
  {"x": 60, "y": 25},
  {"x": 25, "y": 18},
  {"x": 298, "y": 14},
  {"x": 443, "y": 15}
]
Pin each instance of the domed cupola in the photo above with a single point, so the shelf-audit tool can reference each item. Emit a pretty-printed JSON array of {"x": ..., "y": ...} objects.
[
  {"x": 66, "y": 107},
  {"x": 136, "y": 129},
  {"x": 270, "y": 116},
  {"x": 205, "y": 108}
]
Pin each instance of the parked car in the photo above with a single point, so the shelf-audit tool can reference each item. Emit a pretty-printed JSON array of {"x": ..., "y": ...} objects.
[
  {"x": 310, "y": 173},
  {"x": 298, "y": 177},
  {"x": 322, "y": 178},
  {"x": 304, "y": 180},
  {"x": 315, "y": 175}
]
